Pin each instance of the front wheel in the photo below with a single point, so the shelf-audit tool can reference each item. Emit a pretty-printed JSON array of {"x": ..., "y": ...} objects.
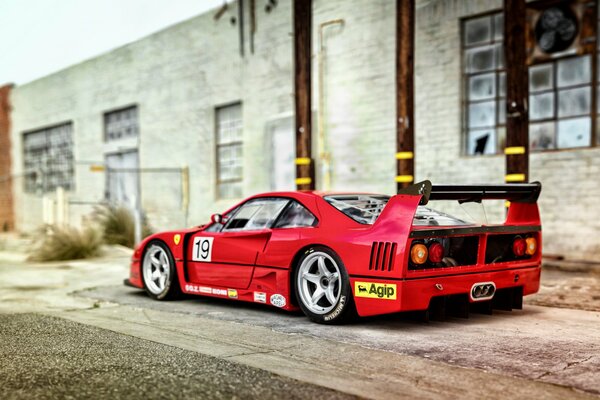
[
  {"x": 323, "y": 287},
  {"x": 159, "y": 273}
]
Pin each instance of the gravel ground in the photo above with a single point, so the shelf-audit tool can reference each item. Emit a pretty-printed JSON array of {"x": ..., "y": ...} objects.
[{"x": 47, "y": 357}]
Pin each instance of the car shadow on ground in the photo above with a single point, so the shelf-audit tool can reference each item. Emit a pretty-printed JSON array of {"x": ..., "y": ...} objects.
[{"x": 265, "y": 315}]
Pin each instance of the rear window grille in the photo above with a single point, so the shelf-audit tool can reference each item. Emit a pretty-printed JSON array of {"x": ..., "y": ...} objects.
[{"x": 382, "y": 256}]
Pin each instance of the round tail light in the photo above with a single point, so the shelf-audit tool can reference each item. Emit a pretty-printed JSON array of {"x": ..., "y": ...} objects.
[
  {"x": 531, "y": 246},
  {"x": 418, "y": 254},
  {"x": 436, "y": 252},
  {"x": 519, "y": 246}
]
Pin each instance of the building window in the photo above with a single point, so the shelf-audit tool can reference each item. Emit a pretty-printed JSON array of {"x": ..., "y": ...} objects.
[
  {"x": 121, "y": 124},
  {"x": 560, "y": 95},
  {"x": 561, "y": 85},
  {"x": 229, "y": 151},
  {"x": 484, "y": 82},
  {"x": 48, "y": 158}
]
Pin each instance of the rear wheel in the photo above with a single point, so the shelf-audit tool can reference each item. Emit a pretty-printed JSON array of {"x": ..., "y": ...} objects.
[
  {"x": 323, "y": 288},
  {"x": 159, "y": 273}
]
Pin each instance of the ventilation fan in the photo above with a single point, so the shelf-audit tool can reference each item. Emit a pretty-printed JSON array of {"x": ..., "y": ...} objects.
[{"x": 556, "y": 28}]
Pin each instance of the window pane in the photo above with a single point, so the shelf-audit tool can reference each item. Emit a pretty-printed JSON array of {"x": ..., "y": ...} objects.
[
  {"x": 295, "y": 216},
  {"x": 481, "y": 142},
  {"x": 482, "y": 86},
  {"x": 542, "y": 136},
  {"x": 574, "y": 132},
  {"x": 229, "y": 124},
  {"x": 121, "y": 124},
  {"x": 478, "y": 30},
  {"x": 501, "y": 111},
  {"x": 498, "y": 26},
  {"x": 482, "y": 114},
  {"x": 499, "y": 54},
  {"x": 502, "y": 84},
  {"x": 540, "y": 77},
  {"x": 480, "y": 59},
  {"x": 256, "y": 214},
  {"x": 574, "y": 102},
  {"x": 541, "y": 106},
  {"x": 573, "y": 71}
]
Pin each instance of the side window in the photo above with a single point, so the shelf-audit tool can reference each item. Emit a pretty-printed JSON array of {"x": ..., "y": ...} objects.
[
  {"x": 296, "y": 216},
  {"x": 256, "y": 214}
]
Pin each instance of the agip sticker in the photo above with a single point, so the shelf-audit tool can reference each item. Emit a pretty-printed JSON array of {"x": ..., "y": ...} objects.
[
  {"x": 374, "y": 290},
  {"x": 232, "y": 293}
]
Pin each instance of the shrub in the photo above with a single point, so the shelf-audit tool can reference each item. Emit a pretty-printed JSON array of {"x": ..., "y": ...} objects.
[
  {"x": 118, "y": 225},
  {"x": 66, "y": 243}
]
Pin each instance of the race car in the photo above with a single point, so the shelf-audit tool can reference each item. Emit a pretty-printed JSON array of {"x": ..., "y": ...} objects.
[{"x": 336, "y": 256}]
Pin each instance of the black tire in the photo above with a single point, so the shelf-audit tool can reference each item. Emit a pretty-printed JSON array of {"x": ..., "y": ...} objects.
[
  {"x": 324, "y": 311},
  {"x": 170, "y": 289}
]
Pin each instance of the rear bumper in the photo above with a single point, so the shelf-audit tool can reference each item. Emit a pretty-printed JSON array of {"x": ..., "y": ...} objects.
[{"x": 383, "y": 296}]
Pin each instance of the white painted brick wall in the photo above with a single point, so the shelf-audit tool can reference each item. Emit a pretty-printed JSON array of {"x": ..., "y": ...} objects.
[{"x": 179, "y": 75}]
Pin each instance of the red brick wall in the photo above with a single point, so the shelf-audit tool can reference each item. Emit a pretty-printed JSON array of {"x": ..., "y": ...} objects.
[{"x": 7, "y": 217}]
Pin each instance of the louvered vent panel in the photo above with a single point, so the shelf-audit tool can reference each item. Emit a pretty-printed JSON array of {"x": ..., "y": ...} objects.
[{"x": 382, "y": 256}]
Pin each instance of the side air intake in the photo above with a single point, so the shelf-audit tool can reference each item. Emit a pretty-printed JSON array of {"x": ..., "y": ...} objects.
[{"x": 382, "y": 256}]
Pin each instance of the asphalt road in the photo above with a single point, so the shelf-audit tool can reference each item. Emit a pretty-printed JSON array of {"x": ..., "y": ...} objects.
[
  {"x": 559, "y": 346},
  {"x": 71, "y": 330},
  {"x": 61, "y": 359}
]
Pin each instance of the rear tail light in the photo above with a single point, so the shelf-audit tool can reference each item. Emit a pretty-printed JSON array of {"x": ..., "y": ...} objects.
[
  {"x": 418, "y": 254},
  {"x": 519, "y": 246},
  {"x": 436, "y": 252},
  {"x": 531, "y": 246}
]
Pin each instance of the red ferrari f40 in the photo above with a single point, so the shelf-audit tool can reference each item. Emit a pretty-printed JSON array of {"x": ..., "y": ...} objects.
[{"x": 336, "y": 256}]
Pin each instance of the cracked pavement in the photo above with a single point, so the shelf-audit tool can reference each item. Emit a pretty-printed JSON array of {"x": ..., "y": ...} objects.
[{"x": 541, "y": 352}]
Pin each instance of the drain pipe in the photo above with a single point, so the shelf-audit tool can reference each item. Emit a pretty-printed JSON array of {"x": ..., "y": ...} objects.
[{"x": 324, "y": 155}]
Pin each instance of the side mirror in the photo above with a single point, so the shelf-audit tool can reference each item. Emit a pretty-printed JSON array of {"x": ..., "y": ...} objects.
[{"x": 216, "y": 218}]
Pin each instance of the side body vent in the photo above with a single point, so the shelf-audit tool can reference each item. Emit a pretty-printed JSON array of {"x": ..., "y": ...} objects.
[{"x": 382, "y": 256}]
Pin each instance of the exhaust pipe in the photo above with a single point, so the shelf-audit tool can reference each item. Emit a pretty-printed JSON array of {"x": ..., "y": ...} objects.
[{"x": 483, "y": 291}]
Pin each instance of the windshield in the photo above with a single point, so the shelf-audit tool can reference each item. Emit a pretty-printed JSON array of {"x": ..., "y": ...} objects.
[{"x": 365, "y": 209}]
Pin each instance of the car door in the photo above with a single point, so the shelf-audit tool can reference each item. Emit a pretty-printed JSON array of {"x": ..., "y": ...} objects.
[{"x": 226, "y": 258}]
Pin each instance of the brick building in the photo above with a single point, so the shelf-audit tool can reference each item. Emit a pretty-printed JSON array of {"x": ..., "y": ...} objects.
[{"x": 202, "y": 95}]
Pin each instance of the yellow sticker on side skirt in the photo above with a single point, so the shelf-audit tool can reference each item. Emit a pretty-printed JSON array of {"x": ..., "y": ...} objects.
[{"x": 386, "y": 291}]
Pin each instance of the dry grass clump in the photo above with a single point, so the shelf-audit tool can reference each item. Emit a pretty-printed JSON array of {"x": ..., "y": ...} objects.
[
  {"x": 118, "y": 225},
  {"x": 66, "y": 243}
]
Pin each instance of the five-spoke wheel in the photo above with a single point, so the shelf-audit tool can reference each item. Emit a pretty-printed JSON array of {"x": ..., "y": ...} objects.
[
  {"x": 158, "y": 271},
  {"x": 322, "y": 286}
]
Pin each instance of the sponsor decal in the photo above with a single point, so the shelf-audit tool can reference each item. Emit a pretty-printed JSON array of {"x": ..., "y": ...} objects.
[
  {"x": 232, "y": 293},
  {"x": 176, "y": 239},
  {"x": 202, "y": 249},
  {"x": 219, "y": 292},
  {"x": 374, "y": 290},
  {"x": 278, "y": 300},
  {"x": 260, "y": 297},
  {"x": 204, "y": 289},
  {"x": 337, "y": 310}
]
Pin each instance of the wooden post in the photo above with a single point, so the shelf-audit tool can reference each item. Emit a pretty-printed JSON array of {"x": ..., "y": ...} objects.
[
  {"x": 517, "y": 92},
  {"x": 305, "y": 179},
  {"x": 405, "y": 44},
  {"x": 7, "y": 215}
]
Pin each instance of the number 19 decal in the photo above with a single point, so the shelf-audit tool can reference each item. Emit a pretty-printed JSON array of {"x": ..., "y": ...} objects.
[{"x": 202, "y": 249}]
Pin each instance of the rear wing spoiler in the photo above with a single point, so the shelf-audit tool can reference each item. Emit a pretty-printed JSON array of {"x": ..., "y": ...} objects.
[{"x": 514, "y": 192}]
